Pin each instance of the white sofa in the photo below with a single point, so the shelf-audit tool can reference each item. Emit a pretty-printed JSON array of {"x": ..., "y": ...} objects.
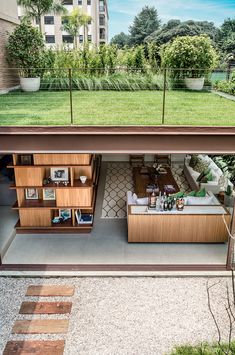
[{"x": 192, "y": 175}]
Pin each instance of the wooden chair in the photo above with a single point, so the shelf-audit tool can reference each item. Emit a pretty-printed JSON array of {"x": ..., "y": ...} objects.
[
  {"x": 136, "y": 160},
  {"x": 164, "y": 159}
]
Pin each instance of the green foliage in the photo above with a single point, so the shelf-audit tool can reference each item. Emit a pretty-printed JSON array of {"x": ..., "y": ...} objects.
[
  {"x": 121, "y": 40},
  {"x": 73, "y": 22},
  {"x": 25, "y": 50},
  {"x": 205, "y": 349},
  {"x": 195, "y": 56},
  {"x": 175, "y": 28},
  {"x": 226, "y": 86},
  {"x": 114, "y": 82},
  {"x": 145, "y": 23}
]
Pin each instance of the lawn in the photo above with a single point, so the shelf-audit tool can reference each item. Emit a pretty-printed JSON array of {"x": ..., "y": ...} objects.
[{"x": 116, "y": 108}]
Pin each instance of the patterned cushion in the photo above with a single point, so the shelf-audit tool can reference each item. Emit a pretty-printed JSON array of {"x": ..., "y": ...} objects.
[{"x": 201, "y": 166}]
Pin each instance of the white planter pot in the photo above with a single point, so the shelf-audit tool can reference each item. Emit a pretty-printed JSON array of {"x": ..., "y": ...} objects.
[
  {"x": 194, "y": 83},
  {"x": 30, "y": 84}
]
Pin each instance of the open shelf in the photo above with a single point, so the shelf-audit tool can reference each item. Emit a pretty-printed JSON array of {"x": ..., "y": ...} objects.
[{"x": 36, "y": 215}]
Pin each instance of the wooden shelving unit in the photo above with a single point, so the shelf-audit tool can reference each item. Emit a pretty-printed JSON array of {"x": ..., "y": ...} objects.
[{"x": 36, "y": 215}]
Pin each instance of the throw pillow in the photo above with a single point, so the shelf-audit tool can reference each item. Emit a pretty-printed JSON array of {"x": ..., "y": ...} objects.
[
  {"x": 193, "y": 160},
  {"x": 201, "y": 166},
  {"x": 201, "y": 193},
  {"x": 204, "y": 173},
  {"x": 179, "y": 194},
  {"x": 192, "y": 193},
  {"x": 200, "y": 200}
]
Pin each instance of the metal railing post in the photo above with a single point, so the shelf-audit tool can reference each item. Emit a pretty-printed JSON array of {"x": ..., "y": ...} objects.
[
  {"x": 164, "y": 98},
  {"x": 71, "y": 96}
]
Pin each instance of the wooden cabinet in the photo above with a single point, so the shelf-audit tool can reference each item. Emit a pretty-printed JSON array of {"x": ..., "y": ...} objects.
[{"x": 36, "y": 213}]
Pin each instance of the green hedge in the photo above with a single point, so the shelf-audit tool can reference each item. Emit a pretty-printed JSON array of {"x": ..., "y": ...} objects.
[{"x": 226, "y": 86}]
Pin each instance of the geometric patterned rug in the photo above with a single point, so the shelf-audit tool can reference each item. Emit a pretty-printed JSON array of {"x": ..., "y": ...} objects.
[{"x": 119, "y": 181}]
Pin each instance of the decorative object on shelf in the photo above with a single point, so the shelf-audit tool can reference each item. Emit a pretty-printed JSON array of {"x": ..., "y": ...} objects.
[
  {"x": 65, "y": 183},
  {"x": 83, "y": 218},
  {"x": 31, "y": 194},
  {"x": 159, "y": 169},
  {"x": 49, "y": 194},
  {"x": 180, "y": 204},
  {"x": 65, "y": 214},
  {"x": 83, "y": 179},
  {"x": 57, "y": 220},
  {"x": 59, "y": 174},
  {"x": 26, "y": 160},
  {"x": 46, "y": 181},
  {"x": 169, "y": 189}
]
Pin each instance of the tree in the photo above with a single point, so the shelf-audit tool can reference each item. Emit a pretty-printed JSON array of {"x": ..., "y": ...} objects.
[
  {"x": 145, "y": 23},
  {"x": 176, "y": 28},
  {"x": 227, "y": 36},
  {"x": 25, "y": 50},
  {"x": 73, "y": 22},
  {"x": 37, "y": 8},
  {"x": 85, "y": 20},
  {"x": 121, "y": 40}
]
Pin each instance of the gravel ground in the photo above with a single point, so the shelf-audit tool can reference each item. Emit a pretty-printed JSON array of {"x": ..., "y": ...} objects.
[{"x": 130, "y": 316}]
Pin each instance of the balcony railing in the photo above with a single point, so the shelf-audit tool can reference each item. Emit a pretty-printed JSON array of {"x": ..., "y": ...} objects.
[{"x": 116, "y": 96}]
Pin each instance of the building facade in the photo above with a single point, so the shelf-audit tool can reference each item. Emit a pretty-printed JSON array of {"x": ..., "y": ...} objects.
[
  {"x": 97, "y": 31},
  {"x": 8, "y": 21}
]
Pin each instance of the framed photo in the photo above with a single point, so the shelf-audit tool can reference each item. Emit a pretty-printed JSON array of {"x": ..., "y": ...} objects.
[
  {"x": 49, "y": 194},
  {"x": 26, "y": 160},
  {"x": 31, "y": 194},
  {"x": 65, "y": 214},
  {"x": 60, "y": 174}
]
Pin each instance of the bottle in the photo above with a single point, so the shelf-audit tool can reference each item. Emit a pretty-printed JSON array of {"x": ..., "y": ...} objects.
[
  {"x": 170, "y": 204},
  {"x": 158, "y": 204},
  {"x": 165, "y": 205},
  {"x": 152, "y": 200}
]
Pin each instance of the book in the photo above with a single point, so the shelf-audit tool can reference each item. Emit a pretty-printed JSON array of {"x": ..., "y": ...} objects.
[{"x": 83, "y": 218}]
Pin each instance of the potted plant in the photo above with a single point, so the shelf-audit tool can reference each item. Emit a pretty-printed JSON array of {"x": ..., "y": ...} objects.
[
  {"x": 25, "y": 52},
  {"x": 190, "y": 59},
  {"x": 229, "y": 198}
]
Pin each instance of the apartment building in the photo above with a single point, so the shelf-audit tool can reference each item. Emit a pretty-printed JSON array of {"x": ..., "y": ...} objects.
[
  {"x": 97, "y": 32},
  {"x": 8, "y": 21}
]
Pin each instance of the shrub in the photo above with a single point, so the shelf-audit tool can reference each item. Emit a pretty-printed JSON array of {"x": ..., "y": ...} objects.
[
  {"x": 189, "y": 56},
  {"x": 204, "y": 349},
  {"x": 25, "y": 50},
  {"x": 226, "y": 86},
  {"x": 117, "y": 82}
]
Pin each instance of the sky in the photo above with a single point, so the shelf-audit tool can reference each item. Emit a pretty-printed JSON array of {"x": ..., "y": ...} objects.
[{"x": 122, "y": 12}]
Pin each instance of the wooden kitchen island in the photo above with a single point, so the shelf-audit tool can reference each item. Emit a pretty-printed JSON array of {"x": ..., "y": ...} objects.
[{"x": 196, "y": 224}]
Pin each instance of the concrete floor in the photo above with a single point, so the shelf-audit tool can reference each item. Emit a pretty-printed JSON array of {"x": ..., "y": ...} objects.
[{"x": 107, "y": 244}]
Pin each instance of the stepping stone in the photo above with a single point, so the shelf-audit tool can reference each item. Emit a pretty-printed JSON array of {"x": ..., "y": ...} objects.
[
  {"x": 29, "y": 347},
  {"x": 41, "y": 326},
  {"x": 45, "y": 307},
  {"x": 47, "y": 291}
]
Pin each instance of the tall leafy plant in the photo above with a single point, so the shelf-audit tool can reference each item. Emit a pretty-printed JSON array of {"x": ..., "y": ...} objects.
[{"x": 25, "y": 50}]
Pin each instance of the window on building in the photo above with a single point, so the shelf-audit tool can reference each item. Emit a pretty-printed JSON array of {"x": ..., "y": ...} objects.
[
  {"x": 88, "y": 2},
  {"x": 89, "y": 22},
  {"x": 101, "y": 6},
  {"x": 102, "y": 20},
  {"x": 67, "y": 39},
  {"x": 49, "y": 20},
  {"x": 50, "y": 39},
  {"x": 81, "y": 39},
  {"x": 64, "y": 20},
  {"x": 89, "y": 37},
  {"x": 67, "y": 2},
  {"x": 102, "y": 33},
  {"x": 79, "y": 2}
]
